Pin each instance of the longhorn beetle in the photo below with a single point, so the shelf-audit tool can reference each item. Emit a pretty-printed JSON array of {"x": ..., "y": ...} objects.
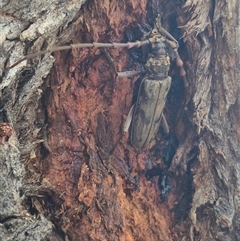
[{"x": 147, "y": 112}]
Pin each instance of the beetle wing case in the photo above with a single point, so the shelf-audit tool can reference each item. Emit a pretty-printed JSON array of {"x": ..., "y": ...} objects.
[{"x": 147, "y": 115}]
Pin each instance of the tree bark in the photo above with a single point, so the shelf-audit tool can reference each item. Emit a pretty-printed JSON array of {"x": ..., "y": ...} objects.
[{"x": 67, "y": 110}]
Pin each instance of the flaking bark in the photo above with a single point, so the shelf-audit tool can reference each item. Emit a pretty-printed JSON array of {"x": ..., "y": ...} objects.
[{"x": 68, "y": 111}]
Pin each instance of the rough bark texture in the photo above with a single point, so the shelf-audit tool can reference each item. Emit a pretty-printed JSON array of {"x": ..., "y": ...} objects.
[{"x": 55, "y": 180}]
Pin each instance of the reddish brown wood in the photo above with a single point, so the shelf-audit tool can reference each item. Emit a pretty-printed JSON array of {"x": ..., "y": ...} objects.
[{"x": 66, "y": 123}]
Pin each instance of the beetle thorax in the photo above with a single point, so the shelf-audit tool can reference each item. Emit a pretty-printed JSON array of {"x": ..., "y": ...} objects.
[{"x": 158, "y": 62}]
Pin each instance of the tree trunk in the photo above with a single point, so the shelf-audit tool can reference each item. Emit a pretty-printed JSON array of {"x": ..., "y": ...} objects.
[{"x": 67, "y": 110}]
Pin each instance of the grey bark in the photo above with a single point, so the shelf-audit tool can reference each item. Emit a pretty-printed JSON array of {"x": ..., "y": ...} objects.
[
  {"x": 21, "y": 22},
  {"x": 206, "y": 162}
]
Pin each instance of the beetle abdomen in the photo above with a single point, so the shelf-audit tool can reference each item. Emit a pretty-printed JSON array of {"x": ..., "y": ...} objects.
[{"x": 148, "y": 111}]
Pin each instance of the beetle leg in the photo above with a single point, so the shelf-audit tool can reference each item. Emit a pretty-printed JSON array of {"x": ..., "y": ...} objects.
[
  {"x": 109, "y": 57},
  {"x": 128, "y": 120},
  {"x": 129, "y": 73},
  {"x": 164, "y": 124},
  {"x": 165, "y": 33},
  {"x": 125, "y": 128},
  {"x": 179, "y": 62},
  {"x": 120, "y": 74}
]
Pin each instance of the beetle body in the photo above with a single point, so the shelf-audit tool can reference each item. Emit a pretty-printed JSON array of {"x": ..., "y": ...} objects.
[
  {"x": 152, "y": 94},
  {"x": 148, "y": 111}
]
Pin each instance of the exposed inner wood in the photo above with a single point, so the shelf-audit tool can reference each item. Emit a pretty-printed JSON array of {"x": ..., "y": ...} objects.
[{"x": 67, "y": 116}]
